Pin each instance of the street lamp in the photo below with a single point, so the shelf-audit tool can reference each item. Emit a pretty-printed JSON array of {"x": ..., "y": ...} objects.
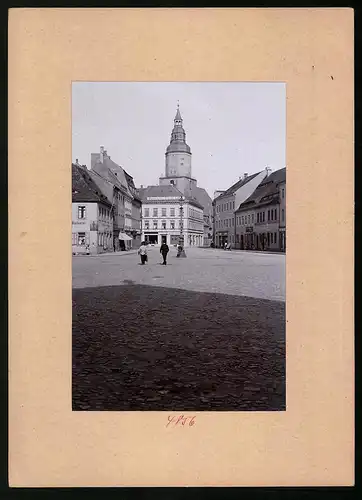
[{"x": 181, "y": 252}]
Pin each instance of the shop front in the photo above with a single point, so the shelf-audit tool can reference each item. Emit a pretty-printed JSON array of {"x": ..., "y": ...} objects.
[
  {"x": 151, "y": 238},
  {"x": 282, "y": 239}
]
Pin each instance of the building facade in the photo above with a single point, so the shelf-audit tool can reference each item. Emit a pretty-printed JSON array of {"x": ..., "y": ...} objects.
[
  {"x": 136, "y": 210},
  {"x": 225, "y": 204},
  {"x": 167, "y": 215},
  {"x": 258, "y": 219},
  {"x": 283, "y": 213},
  {"x": 92, "y": 220},
  {"x": 117, "y": 185}
]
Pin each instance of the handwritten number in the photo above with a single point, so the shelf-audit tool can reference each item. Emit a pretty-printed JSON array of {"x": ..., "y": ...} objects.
[{"x": 181, "y": 419}]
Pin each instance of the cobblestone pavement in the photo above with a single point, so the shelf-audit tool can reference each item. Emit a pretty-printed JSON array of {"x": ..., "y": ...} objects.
[
  {"x": 204, "y": 270},
  {"x": 141, "y": 347},
  {"x": 197, "y": 334}
]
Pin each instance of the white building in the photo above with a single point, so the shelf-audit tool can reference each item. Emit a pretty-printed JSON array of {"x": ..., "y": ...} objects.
[
  {"x": 92, "y": 220},
  {"x": 165, "y": 211}
]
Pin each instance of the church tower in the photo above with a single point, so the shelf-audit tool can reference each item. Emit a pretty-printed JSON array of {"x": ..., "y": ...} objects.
[{"x": 178, "y": 159}]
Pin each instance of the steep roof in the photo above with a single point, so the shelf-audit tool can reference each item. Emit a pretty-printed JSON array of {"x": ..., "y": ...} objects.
[
  {"x": 110, "y": 170},
  {"x": 266, "y": 189},
  {"x": 276, "y": 177},
  {"x": 165, "y": 191},
  {"x": 236, "y": 186},
  {"x": 84, "y": 189},
  {"x": 202, "y": 197}
]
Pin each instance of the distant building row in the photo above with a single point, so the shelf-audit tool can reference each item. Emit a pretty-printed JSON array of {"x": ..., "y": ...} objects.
[
  {"x": 251, "y": 215},
  {"x": 106, "y": 208}
]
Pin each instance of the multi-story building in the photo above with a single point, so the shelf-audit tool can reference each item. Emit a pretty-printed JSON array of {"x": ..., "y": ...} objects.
[
  {"x": 165, "y": 210},
  {"x": 178, "y": 172},
  {"x": 226, "y": 203},
  {"x": 117, "y": 186},
  {"x": 258, "y": 219},
  {"x": 136, "y": 210},
  {"x": 92, "y": 221},
  {"x": 282, "y": 219}
]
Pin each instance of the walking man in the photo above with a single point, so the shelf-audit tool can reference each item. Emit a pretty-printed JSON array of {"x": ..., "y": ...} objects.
[
  {"x": 143, "y": 253},
  {"x": 164, "y": 251}
]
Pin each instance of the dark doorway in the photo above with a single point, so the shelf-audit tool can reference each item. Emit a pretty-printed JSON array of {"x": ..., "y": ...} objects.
[{"x": 163, "y": 239}]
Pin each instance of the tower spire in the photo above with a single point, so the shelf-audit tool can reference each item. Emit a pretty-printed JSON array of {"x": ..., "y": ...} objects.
[{"x": 178, "y": 114}]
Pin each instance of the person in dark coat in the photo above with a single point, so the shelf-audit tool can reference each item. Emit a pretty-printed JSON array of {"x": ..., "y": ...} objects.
[{"x": 164, "y": 251}]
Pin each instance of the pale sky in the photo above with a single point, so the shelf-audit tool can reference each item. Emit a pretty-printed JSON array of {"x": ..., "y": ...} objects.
[{"x": 231, "y": 128}]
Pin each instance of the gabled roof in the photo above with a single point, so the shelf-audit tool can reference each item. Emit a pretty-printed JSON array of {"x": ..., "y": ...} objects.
[
  {"x": 84, "y": 189},
  {"x": 276, "y": 177},
  {"x": 110, "y": 170},
  {"x": 202, "y": 197},
  {"x": 236, "y": 186},
  {"x": 266, "y": 190}
]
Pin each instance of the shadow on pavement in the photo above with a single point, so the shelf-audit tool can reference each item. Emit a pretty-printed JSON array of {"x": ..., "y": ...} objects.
[{"x": 138, "y": 347}]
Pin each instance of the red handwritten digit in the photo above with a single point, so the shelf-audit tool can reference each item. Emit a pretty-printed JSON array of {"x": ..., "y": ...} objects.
[{"x": 179, "y": 419}]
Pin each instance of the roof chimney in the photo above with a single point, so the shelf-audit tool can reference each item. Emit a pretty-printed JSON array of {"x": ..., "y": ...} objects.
[
  {"x": 141, "y": 186},
  {"x": 101, "y": 154},
  {"x": 268, "y": 171},
  {"x": 245, "y": 175},
  {"x": 77, "y": 162}
]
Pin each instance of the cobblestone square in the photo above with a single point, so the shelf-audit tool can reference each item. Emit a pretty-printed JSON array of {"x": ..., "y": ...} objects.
[{"x": 202, "y": 333}]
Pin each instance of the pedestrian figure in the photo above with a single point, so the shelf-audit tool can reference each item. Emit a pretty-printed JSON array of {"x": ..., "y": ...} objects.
[
  {"x": 143, "y": 253},
  {"x": 87, "y": 250},
  {"x": 225, "y": 245},
  {"x": 164, "y": 251},
  {"x": 179, "y": 250}
]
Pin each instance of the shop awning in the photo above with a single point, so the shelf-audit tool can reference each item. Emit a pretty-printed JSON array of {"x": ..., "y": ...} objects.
[{"x": 124, "y": 236}]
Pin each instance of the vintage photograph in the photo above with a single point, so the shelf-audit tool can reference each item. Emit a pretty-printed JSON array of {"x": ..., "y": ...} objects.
[{"x": 178, "y": 246}]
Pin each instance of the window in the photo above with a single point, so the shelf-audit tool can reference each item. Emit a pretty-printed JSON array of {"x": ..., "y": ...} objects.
[
  {"x": 252, "y": 218},
  {"x": 155, "y": 224},
  {"x": 263, "y": 216},
  {"x": 275, "y": 214},
  {"x": 249, "y": 219},
  {"x": 232, "y": 221},
  {"x": 163, "y": 224},
  {"x": 81, "y": 212},
  {"x": 282, "y": 193},
  {"x": 275, "y": 237},
  {"x": 81, "y": 238},
  {"x": 233, "y": 204},
  {"x": 147, "y": 212},
  {"x": 172, "y": 212},
  {"x": 172, "y": 224},
  {"x": 147, "y": 224},
  {"x": 155, "y": 212},
  {"x": 283, "y": 214},
  {"x": 268, "y": 214},
  {"x": 163, "y": 210}
]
